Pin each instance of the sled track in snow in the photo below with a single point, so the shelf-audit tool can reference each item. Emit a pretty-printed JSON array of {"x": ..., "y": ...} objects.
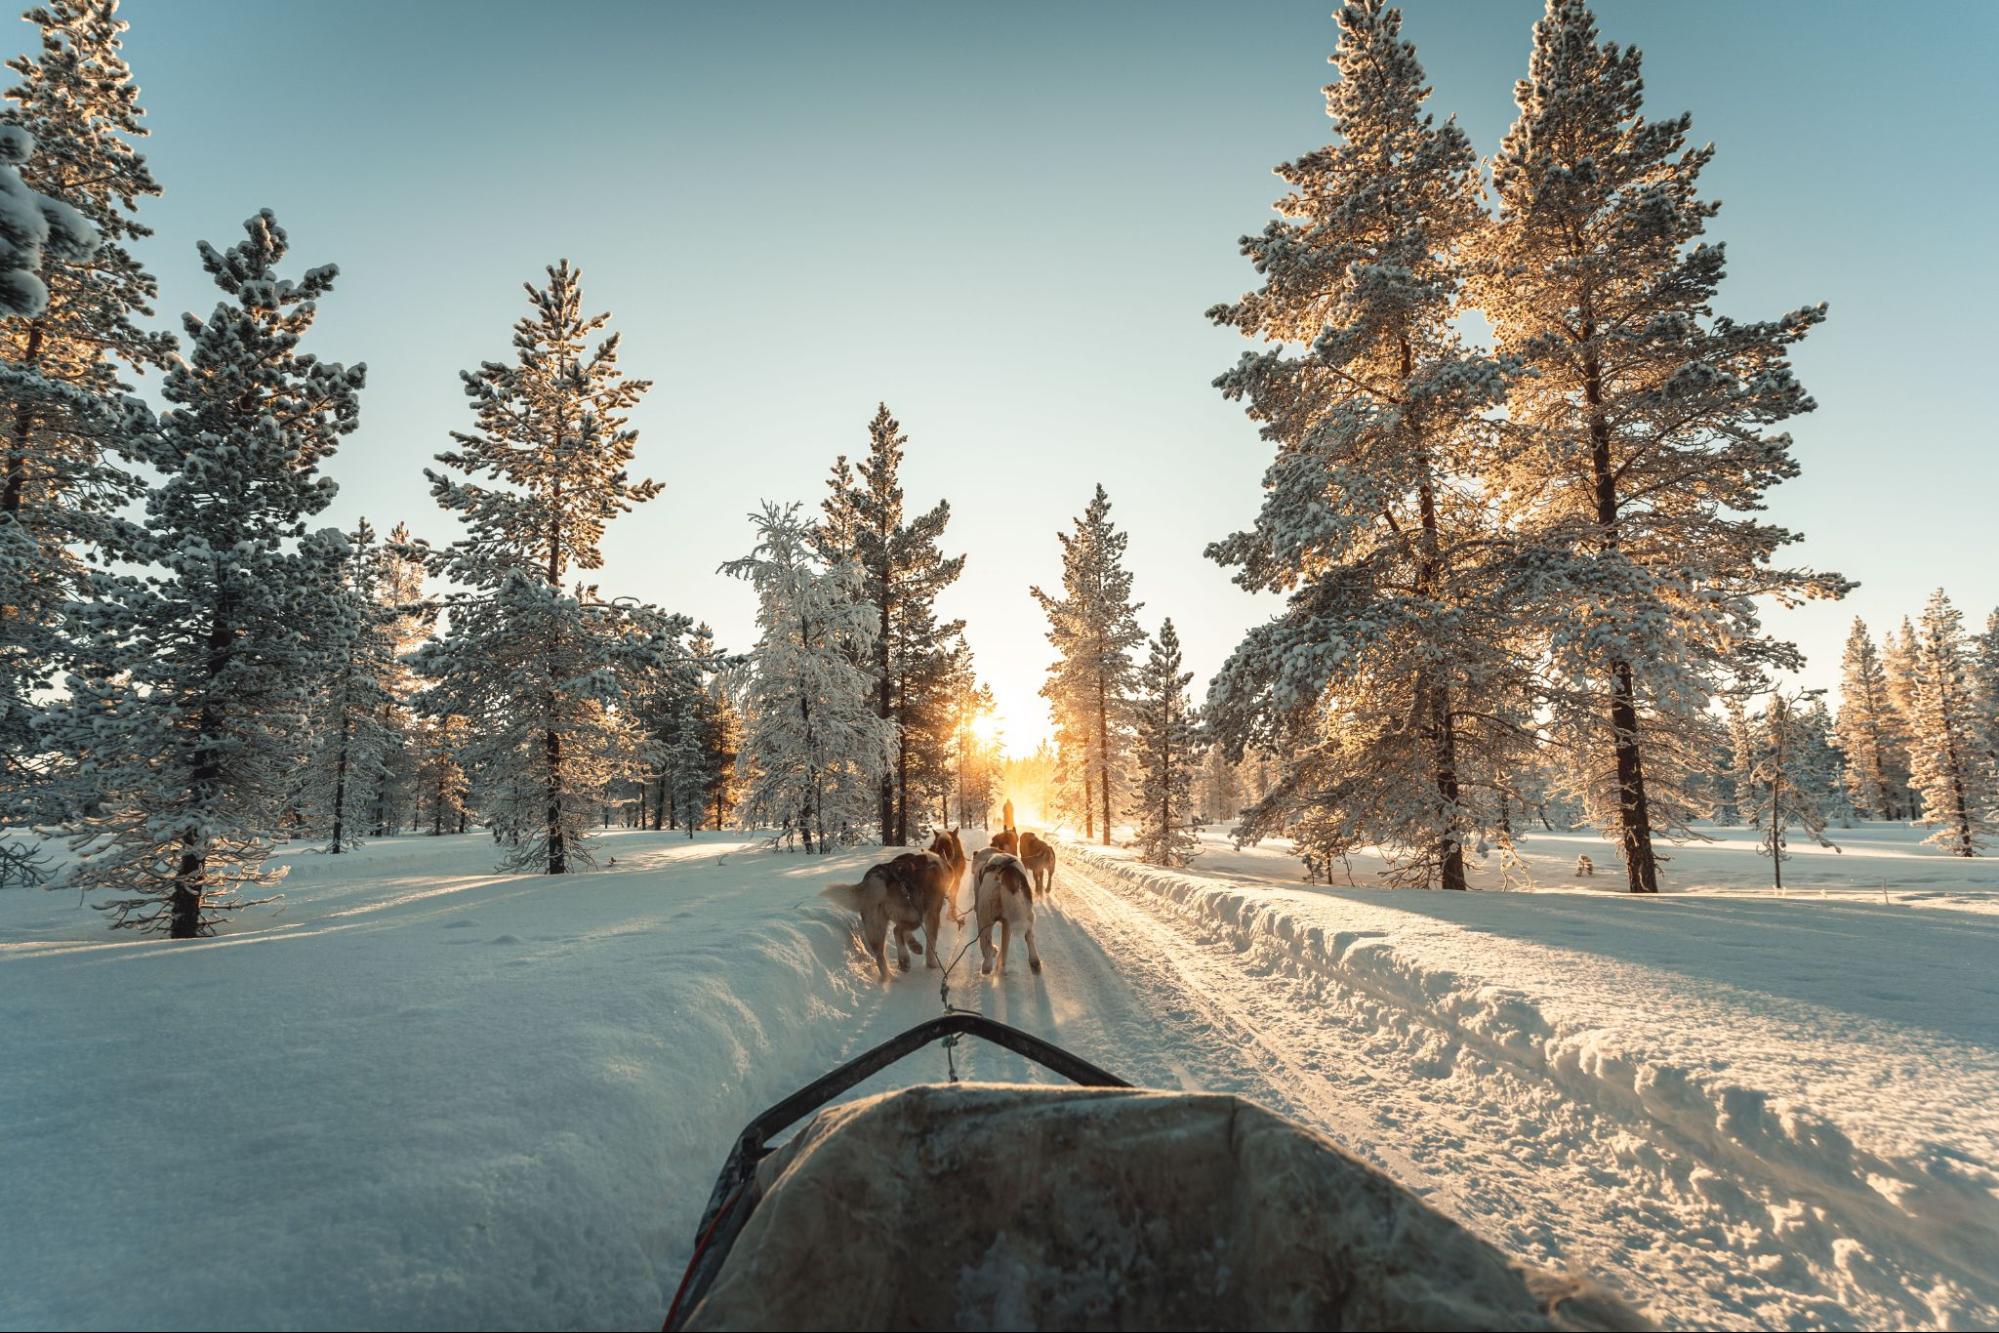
[{"x": 1707, "y": 1205}]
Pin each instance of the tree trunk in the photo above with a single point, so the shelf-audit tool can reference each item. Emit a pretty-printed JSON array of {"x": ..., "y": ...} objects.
[
  {"x": 884, "y": 707},
  {"x": 15, "y": 489},
  {"x": 184, "y": 906},
  {"x": 1435, "y": 694},
  {"x": 558, "y": 860},
  {"x": 1634, "y": 815},
  {"x": 1104, "y": 752},
  {"x": 340, "y": 784},
  {"x": 902, "y": 777}
]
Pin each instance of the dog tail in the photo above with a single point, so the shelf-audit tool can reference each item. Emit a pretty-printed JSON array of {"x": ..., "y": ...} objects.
[{"x": 842, "y": 894}]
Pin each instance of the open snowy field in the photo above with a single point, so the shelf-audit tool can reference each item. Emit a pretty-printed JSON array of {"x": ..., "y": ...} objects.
[{"x": 418, "y": 1094}]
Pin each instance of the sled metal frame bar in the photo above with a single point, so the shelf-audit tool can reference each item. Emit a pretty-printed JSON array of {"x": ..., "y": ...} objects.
[
  {"x": 752, "y": 1145},
  {"x": 735, "y": 1194}
]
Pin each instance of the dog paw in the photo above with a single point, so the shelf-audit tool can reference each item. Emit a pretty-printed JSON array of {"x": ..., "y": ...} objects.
[{"x": 1034, "y": 966}]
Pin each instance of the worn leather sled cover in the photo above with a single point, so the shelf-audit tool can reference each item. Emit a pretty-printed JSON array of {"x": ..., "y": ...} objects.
[{"x": 998, "y": 1207}]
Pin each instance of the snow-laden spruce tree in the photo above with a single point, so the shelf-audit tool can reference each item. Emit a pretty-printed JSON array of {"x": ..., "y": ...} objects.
[
  {"x": 1781, "y": 780},
  {"x": 354, "y": 708},
  {"x": 1643, "y": 441},
  {"x": 70, "y": 298},
  {"x": 1868, "y": 731},
  {"x": 1985, "y": 687},
  {"x": 1094, "y": 628},
  {"x": 904, "y": 569},
  {"x": 1167, "y": 753},
  {"x": 528, "y": 662},
  {"x": 1947, "y": 759},
  {"x": 815, "y": 749},
  {"x": 671, "y": 701},
  {"x": 194, "y": 677},
  {"x": 1392, "y": 660}
]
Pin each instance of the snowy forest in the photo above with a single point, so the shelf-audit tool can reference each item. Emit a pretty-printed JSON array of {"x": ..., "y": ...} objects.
[
  {"x": 1525, "y": 579},
  {"x": 1512, "y": 604}
]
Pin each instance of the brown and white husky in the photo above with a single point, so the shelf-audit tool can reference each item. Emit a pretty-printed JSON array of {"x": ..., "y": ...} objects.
[
  {"x": 905, "y": 894},
  {"x": 1002, "y": 894}
]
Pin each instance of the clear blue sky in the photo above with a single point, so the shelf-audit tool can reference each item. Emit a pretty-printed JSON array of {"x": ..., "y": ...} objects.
[{"x": 1006, "y": 221}]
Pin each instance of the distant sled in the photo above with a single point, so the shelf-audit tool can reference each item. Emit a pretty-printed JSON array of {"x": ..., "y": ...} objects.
[{"x": 1099, "y": 1206}]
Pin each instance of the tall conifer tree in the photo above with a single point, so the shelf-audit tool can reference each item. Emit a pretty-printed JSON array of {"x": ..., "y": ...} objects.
[
  {"x": 1946, "y": 753},
  {"x": 530, "y": 662},
  {"x": 193, "y": 684},
  {"x": 1168, "y": 749},
  {"x": 1372, "y": 684},
  {"x": 1644, "y": 438},
  {"x": 1094, "y": 628}
]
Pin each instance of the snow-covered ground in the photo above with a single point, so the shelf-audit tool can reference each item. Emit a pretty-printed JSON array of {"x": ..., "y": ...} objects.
[{"x": 419, "y": 1094}]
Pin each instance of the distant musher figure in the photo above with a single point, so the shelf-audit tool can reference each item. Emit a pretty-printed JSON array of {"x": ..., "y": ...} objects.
[{"x": 1006, "y": 815}]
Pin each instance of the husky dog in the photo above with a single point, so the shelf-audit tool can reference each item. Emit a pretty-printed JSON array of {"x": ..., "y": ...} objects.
[
  {"x": 906, "y": 893},
  {"x": 1036, "y": 855},
  {"x": 1002, "y": 893},
  {"x": 951, "y": 848},
  {"x": 1584, "y": 866}
]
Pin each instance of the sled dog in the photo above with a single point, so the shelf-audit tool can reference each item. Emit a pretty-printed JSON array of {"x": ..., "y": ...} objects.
[
  {"x": 1002, "y": 894},
  {"x": 904, "y": 894},
  {"x": 1035, "y": 854}
]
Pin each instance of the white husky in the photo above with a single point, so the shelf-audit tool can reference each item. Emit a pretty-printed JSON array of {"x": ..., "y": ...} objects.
[{"x": 1002, "y": 892}]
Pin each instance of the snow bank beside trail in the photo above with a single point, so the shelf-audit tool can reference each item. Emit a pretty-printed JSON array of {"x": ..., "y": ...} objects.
[
  {"x": 1842, "y": 1055},
  {"x": 415, "y": 1094}
]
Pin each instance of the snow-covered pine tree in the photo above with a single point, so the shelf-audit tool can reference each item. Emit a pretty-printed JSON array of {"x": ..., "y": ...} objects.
[
  {"x": 1094, "y": 627},
  {"x": 1167, "y": 752},
  {"x": 1220, "y": 790},
  {"x": 1822, "y": 770},
  {"x": 192, "y": 683},
  {"x": 1643, "y": 439},
  {"x": 1868, "y": 730},
  {"x": 1744, "y": 744},
  {"x": 442, "y": 788},
  {"x": 353, "y": 710},
  {"x": 1782, "y": 783},
  {"x": 410, "y": 618},
  {"x": 528, "y": 664},
  {"x": 1985, "y": 687},
  {"x": 815, "y": 748},
  {"x": 69, "y": 294},
  {"x": 669, "y": 695},
  {"x": 904, "y": 569},
  {"x": 1389, "y": 663},
  {"x": 725, "y": 744},
  {"x": 1947, "y": 759}
]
